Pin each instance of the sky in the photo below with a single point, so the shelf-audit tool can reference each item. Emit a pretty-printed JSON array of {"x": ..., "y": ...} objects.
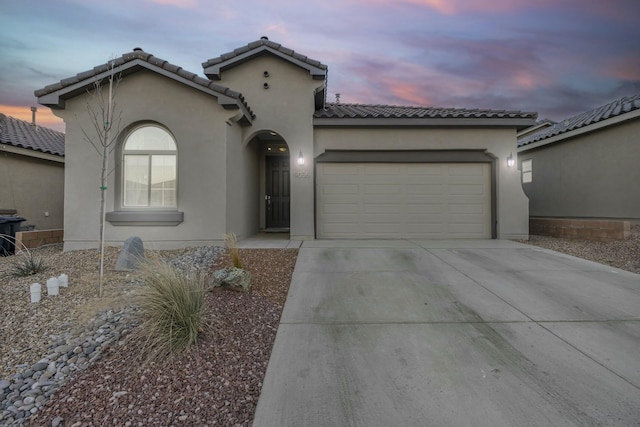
[{"x": 554, "y": 57}]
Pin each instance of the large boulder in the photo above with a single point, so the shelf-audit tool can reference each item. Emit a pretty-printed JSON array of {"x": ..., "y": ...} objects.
[
  {"x": 131, "y": 254},
  {"x": 236, "y": 279}
]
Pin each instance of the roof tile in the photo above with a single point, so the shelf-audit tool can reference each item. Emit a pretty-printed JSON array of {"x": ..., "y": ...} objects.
[
  {"x": 139, "y": 54},
  {"x": 333, "y": 110},
  {"x": 262, "y": 42},
  {"x": 20, "y": 133},
  {"x": 613, "y": 109}
]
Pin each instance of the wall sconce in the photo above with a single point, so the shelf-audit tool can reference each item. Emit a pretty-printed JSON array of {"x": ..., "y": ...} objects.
[
  {"x": 510, "y": 160},
  {"x": 300, "y": 159}
]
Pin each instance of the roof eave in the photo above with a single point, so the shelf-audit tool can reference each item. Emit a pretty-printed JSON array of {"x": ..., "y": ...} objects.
[
  {"x": 57, "y": 98},
  {"x": 580, "y": 131},
  {"x": 514, "y": 123},
  {"x": 214, "y": 71},
  {"x": 30, "y": 152}
]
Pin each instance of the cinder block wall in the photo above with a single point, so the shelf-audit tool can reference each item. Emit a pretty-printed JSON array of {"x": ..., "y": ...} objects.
[
  {"x": 584, "y": 229},
  {"x": 35, "y": 239}
]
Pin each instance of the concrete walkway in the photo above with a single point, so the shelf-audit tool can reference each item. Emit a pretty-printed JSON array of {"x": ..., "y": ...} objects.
[{"x": 453, "y": 333}]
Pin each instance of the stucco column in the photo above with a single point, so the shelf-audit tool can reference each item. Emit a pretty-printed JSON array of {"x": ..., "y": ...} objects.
[
  {"x": 302, "y": 192},
  {"x": 513, "y": 204}
]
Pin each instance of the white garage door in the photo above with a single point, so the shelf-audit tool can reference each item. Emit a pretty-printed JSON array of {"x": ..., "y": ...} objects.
[{"x": 403, "y": 200}]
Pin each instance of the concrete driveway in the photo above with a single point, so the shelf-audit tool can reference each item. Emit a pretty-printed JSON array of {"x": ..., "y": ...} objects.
[{"x": 453, "y": 333}]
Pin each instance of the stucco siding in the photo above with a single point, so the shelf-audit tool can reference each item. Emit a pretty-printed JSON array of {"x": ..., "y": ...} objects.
[
  {"x": 34, "y": 188},
  {"x": 286, "y": 107},
  {"x": 512, "y": 219},
  {"x": 243, "y": 191},
  {"x": 197, "y": 123},
  {"x": 594, "y": 175}
]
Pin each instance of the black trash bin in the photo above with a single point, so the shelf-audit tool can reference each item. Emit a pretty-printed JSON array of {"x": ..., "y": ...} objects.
[{"x": 8, "y": 227}]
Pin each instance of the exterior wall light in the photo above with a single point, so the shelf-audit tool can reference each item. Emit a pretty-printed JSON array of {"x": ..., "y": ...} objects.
[
  {"x": 300, "y": 159},
  {"x": 510, "y": 160}
]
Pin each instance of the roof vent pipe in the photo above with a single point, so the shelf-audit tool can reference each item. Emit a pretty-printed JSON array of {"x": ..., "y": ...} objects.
[
  {"x": 264, "y": 38},
  {"x": 138, "y": 49},
  {"x": 33, "y": 115}
]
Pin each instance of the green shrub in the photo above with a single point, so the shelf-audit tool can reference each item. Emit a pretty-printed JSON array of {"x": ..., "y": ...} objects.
[
  {"x": 172, "y": 309},
  {"x": 25, "y": 264}
]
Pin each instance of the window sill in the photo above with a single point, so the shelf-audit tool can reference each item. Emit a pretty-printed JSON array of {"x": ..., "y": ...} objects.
[{"x": 151, "y": 218}]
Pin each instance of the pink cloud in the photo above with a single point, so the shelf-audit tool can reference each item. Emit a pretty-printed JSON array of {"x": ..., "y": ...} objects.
[
  {"x": 452, "y": 7},
  {"x": 625, "y": 68},
  {"x": 176, "y": 3}
]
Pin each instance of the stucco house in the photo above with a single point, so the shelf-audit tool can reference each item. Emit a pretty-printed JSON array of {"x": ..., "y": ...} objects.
[
  {"x": 31, "y": 172},
  {"x": 585, "y": 166},
  {"x": 256, "y": 146}
]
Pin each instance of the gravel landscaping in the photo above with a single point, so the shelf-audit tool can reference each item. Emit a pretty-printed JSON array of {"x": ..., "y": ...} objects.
[
  {"x": 622, "y": 254},
  {"x": 72, "y": 360},
  {"x": 46, "y": 348}
]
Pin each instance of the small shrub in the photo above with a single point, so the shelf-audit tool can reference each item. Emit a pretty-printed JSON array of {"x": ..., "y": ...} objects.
[
  {"x": 231, "y": 242},
  {"x": 172, "y": 309},
  {"x": 24, "y": 264}
]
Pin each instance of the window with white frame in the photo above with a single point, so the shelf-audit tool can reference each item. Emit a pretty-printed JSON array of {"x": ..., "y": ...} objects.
[
  {"x": 149, "y": 169},
  {"x": 527, "y": 171}
]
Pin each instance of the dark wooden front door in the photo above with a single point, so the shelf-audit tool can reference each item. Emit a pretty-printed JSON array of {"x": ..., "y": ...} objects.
[{"x": 277, "y": 191}]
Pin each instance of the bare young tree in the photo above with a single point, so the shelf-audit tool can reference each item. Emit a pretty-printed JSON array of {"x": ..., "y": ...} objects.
[{"x": 103, "y": 117}]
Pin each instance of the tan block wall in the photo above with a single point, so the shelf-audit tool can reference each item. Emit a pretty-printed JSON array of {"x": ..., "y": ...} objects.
[
  {"x": 582, "y": 229},
  {"x": 35, "y": 239}
]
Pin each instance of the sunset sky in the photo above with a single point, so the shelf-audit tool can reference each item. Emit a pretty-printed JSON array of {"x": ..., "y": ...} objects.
[{"x": 555, "y": 57}]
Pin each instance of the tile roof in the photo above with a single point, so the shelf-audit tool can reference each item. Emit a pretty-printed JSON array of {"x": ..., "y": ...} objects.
[
  {"x": 256, "y": 45},
  {"x": 139, "y": 54},
  {"x": 613, "y": 109},
  {"x": 23, "y": 134},
  {"x": 333, "y": 110}
]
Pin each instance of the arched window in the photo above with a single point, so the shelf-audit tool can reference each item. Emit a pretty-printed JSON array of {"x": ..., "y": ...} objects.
[{"x": 149, "y": 169}]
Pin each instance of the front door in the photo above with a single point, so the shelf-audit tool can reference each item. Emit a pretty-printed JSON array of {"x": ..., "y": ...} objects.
[{"x": 277, "y": 192}]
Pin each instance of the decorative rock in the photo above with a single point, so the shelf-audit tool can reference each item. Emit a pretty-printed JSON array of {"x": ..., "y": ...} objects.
[
  {"x": 40, "y": 366},
  {"x": 27, "y": 391},
  {"x": 131, "y": 254},
  {"x": 61, "y": 349},
  {"x": 56, "y": 421},
  {"x": 236, "y": 279}
]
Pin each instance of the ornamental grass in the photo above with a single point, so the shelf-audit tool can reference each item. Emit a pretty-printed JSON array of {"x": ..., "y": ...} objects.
[{"x": 172, "y": 309}]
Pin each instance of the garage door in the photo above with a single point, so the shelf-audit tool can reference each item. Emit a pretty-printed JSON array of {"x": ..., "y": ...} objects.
[{"x": 403, "y": 200}]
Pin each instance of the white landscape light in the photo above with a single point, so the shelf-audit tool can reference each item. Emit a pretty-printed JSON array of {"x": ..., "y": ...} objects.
[
  {"x": 36, "y": 292},
  {"x": 301, "y": 159},
  {"x": 63, "y": 280},
  {"x": 510, "y": 160},
  {"x": 53, "y": 287}
]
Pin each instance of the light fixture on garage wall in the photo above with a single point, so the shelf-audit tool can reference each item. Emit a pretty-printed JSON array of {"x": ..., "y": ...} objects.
[
  {"x": 510, "y": 160},
  {"x": 301, "y": 159}
]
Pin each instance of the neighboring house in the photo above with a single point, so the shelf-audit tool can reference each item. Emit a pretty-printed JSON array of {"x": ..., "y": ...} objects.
[
  {"x": 585, "y": 166},
  {"x": 31, "y": 172},
  {"x": 256, "y": 146}
]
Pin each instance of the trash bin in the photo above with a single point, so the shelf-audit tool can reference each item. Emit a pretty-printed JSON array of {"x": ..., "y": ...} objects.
[{"x": 8, "y": 227}]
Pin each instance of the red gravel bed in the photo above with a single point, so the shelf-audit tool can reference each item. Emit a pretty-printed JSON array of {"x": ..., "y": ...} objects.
[{"x": 216, "y": 383}]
